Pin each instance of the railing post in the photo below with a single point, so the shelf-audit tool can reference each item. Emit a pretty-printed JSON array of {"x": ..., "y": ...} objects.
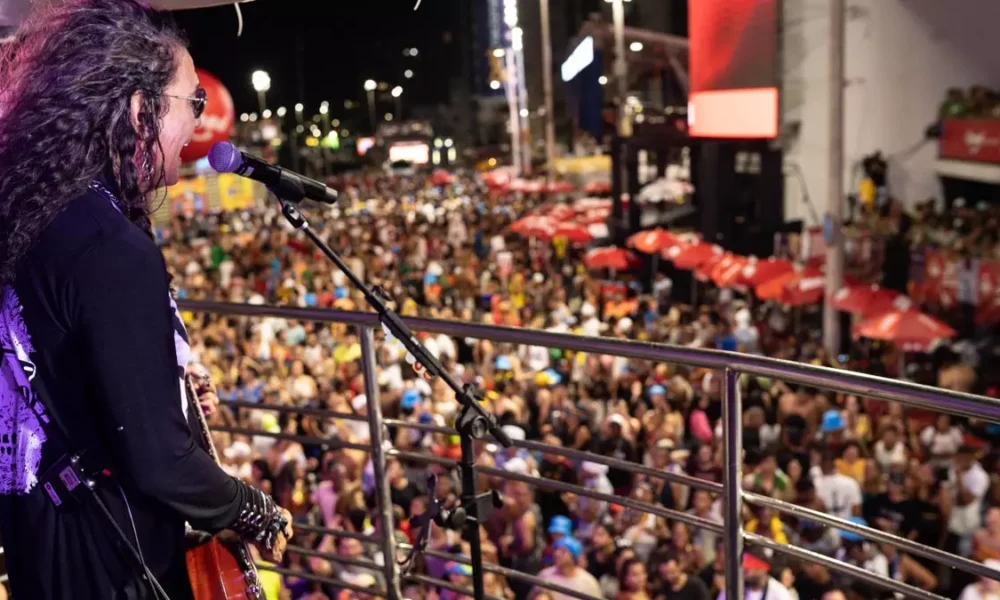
[
  {"x": 384, "y": 498},
  {"x": 732, "y": 484}
]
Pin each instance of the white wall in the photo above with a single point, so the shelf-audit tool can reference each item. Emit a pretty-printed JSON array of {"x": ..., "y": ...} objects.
[{"x": 901, "y": 57}]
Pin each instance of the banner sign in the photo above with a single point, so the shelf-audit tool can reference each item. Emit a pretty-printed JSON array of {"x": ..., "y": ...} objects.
[{"x": 970, "y": 139}]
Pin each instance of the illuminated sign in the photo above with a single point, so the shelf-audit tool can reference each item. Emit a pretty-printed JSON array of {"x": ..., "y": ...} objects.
[
  {"x": 417, "y": 153},
  {"x": 582, "y": 56}
]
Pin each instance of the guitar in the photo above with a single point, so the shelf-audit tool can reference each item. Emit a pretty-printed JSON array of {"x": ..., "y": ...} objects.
[{"x": 222, "y": 568}]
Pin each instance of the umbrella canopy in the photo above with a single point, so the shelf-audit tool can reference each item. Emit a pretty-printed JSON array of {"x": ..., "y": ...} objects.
[
  {"x": 618, "y": 259},
  {"x": 865, "y": 300},
  {"x": 906, "y": 327},
  {"x": 757, "y": 272},
  {"x": 692, "y": 256},
  {"x": 653, "y": 241},
  {"x": 729, "y": 272}
]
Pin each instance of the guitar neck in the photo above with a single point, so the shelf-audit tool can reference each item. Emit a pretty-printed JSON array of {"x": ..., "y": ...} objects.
[{"x": 193, "y": 404}]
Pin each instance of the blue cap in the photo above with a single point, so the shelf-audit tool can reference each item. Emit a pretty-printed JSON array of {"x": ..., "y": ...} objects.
[
  {"x": 850, "y": 536},
  {"x": 340, "y": 293},
  {"x": 310, "y": 299},
  {"x": 457, "y": 568},
  {"x": 410, "y": 398},
  {"x": 503, "y": 363},
  {"x": 657, "y": 390},
  {"x": 561, "y": 525},
  {"x": 430, "y": 278},
  {"x": 572, "y": 544},
  {"x": 554, "y": 377},
  {"x": 832, "y": 421}
]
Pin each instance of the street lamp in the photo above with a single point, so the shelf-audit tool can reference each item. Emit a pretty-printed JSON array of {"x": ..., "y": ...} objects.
[
  {"x": 282, "y": 111},
  {"x": 370, "y": 86},
  {"x": 397, "y": 93},
  {"x": 408, "y": 73},
  {"x": 261, "y": 83}
]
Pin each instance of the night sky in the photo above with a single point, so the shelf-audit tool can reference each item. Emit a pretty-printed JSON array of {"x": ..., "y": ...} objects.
[{"x": 341, "y": 43}]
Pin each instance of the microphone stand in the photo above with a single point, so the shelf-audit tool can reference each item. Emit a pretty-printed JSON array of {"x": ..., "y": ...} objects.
[{"x": 473, "y": 421}]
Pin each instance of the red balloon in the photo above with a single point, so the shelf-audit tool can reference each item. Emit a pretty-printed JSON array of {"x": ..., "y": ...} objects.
[{"x": 216, "y": 123}]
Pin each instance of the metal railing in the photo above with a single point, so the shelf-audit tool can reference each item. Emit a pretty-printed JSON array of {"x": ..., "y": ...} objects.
[{"x": 733, "y": 496}]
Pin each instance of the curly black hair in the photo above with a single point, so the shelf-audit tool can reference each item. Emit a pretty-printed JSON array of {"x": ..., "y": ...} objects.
[{"x": 66, "y": 84}]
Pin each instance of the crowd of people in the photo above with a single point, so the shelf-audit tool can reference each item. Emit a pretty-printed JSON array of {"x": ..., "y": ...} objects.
[{"x": 446, "y": 252}]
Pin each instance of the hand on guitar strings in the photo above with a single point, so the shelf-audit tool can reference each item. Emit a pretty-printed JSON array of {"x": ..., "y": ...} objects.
[{"x": 208, "y": 397}]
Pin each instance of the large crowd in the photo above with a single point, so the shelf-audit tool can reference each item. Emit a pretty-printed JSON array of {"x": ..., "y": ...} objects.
[{"x": 446, "y": 252}]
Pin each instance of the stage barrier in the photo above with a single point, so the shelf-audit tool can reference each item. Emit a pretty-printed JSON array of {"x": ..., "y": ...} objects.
[{"x": 731, "y": 365}]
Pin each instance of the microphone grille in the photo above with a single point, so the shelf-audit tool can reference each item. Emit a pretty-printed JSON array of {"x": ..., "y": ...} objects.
[{"x": 224, "y": 157}]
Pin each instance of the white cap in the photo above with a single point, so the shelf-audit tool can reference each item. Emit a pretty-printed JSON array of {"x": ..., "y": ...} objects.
[
  {"x": 514, "y": 432},
  {"x": 516, "y": 465},
  {"x": 360, "y": 401},
  {"x": 617, "y": 418}
]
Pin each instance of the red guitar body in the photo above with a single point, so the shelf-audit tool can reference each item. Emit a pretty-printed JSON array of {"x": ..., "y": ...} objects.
[{"x": 217, "y": 574}]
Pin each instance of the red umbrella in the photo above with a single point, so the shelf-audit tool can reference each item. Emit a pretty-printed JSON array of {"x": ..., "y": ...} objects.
[
  {"x": 597, "y": 187},
  {"x": 705, "y": 269},
  {"x": 865, "y": 300},
  {"x": 559, "y": 212},
  {"x": 653, "y": 240},
  {"x": 534, "y": 226},
  {"x": 618, "y": 259},
  {"x": 441, "y": 177},
  {"x": 774, "y": 288},
  {"x": 593, "y": 216},
  {"x": 757, "y": 272},
  {"x": 558, "y": 187},
  {"x": 585, "y": 204},
  {"x": 729, "y": 273},
  {"x": 804, "y": 290},
  {"x": 906, "y": 327},
  {"x": 692, "y": 256},
  {"x": 575, "y": 232}
]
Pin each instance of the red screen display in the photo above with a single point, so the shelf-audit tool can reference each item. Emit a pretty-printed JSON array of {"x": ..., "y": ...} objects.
[{"x": 733, "y": 68}]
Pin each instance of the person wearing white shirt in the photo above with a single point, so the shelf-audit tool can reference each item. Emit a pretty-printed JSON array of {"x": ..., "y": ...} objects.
[
  {"x": 889, "y": 451},
  {"x": 969, "y": 482},
  {"x": 840, "y": 493},
  {"x": 942, "y": 440}
]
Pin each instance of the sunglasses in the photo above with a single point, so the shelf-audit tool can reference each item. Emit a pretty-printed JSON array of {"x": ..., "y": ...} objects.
[{"x": 198, "y": 101}]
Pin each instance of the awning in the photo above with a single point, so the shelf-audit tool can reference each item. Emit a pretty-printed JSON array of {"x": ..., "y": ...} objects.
[{"x": 12, "y": 12}]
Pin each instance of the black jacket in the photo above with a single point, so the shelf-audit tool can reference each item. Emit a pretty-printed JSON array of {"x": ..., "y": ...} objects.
[{"x": 96, "y": 321}]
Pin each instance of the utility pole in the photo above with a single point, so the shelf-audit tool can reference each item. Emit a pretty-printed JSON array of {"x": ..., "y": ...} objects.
[
  {"x": 550, "y": 127},
  {"x": 833, "y": 223}
]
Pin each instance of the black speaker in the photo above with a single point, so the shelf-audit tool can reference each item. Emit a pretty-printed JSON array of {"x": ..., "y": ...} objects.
[{"x": 739, "y": 193}]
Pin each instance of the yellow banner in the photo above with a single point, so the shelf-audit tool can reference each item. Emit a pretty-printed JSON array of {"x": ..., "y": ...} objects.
[
  {"x": 188, "y": 196},
  {"x": 235, "y": 193}
]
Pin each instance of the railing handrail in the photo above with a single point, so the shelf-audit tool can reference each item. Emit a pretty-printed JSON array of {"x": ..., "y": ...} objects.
[
  {"x": 730, "y": 364},
  {"x": 849, "y": 382}
]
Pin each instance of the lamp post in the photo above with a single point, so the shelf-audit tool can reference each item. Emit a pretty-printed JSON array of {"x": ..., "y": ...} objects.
[
  {"x": 550, "y": 128},
  {"x": 370, "y": 86},
  {"x": 397, "y": 93},
  {"x": 261, "y": 82}
]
